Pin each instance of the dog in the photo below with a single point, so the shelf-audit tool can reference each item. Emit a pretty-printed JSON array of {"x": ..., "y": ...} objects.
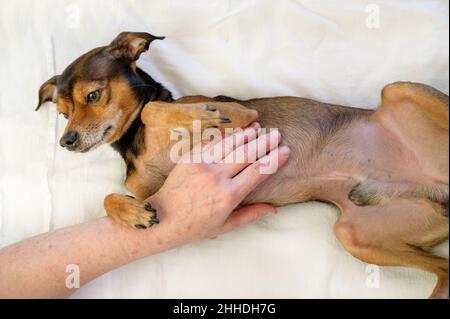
[{"x": 386, "y": 170}]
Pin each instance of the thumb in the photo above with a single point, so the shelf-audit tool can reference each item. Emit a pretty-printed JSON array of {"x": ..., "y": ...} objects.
[{"x": 246, "y": 215}]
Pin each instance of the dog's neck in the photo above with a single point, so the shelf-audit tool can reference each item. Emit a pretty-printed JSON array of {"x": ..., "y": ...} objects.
[{"x": 132, "y": 141}]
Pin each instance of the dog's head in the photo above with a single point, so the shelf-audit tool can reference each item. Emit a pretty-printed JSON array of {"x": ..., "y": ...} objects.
[{"x": 101, "y": 92}]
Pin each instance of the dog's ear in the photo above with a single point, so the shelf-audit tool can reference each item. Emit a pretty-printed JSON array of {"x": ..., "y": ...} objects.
[
  {"x": 129, "y": 45},
  {"x": 47, "y": 92}
]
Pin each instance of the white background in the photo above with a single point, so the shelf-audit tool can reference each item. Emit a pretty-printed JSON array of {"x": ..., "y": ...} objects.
[{"x": 318, "y": 49}]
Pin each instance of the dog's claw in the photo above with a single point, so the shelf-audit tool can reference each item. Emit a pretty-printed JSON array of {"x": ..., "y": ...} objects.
[
  {"x": 224, "y": 119},
  {"x": 129, "y": 196},
  {"x": 140, "y": 226},
  {"x": 149, "y": 208},
  {"x": 210, "y": 108},
  {"x": 154, "y": 220}
]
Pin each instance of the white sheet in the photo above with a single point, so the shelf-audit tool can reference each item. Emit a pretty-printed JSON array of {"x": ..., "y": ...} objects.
[{"x": 245, "y": 49}]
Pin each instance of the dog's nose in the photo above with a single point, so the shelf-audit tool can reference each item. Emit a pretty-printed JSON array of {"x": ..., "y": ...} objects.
[{"x": 69, "y": 139}]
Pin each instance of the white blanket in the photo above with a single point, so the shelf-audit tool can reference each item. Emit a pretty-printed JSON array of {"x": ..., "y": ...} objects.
[{"x": 342, "y": 52}]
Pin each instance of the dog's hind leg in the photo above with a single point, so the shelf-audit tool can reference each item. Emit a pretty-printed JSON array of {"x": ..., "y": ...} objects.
[
  {"x": 398, "y": 233},
  {"x": 128, "y": 211},
  {"x": 373, "y": 192},
  {"x": 418, "y": 116}
]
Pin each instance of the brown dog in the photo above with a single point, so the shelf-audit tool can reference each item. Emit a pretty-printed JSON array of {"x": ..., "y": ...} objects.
[{"x": 387, "y": 170}]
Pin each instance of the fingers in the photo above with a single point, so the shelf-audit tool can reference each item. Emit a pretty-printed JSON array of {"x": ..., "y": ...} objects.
[
  {"x": 219, "y": 150},
  {"x": 246, "y": 154},
  {"x": 259, "y": 171},
  {"x": 247, "y": 215}
]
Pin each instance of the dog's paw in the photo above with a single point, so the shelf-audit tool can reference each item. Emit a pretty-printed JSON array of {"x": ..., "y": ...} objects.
[
  {"x": 362, "y": 197},
  {"x": 130, "y": 212},
  {"x": 141, "y": 219},
  {"x": 211, "y": 118}
]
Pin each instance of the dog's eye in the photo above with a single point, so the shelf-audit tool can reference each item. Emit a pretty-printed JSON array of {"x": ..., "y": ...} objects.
[{"x": 93, "y": 97}]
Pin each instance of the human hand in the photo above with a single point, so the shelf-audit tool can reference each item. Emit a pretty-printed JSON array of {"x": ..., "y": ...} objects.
[{"x": 198, "y": 200}]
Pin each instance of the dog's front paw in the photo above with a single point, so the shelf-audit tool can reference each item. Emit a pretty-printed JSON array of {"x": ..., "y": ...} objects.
[
  {"x": 130, "y": 212},
  {"x": 153, "y": 214},
  {"x": 210, "y": 117}
]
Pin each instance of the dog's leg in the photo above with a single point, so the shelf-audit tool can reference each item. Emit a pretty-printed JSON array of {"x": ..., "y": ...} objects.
[
  {"x": 211, "y": 114},
  {"x": 373, "y": 192},
  {"x": 128, "y": 211},
  {"x": 398, "y": 233},
  {"x": 418, "y": 116}
]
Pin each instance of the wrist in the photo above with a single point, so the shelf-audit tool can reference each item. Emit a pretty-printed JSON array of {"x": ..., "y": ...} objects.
[
  {"x": 154, "y": 240},
  {"x": 137, "y": 243},
  {"x": 170, "y": 232}
]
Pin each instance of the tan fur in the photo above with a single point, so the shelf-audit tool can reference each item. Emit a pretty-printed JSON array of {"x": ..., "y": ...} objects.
[
  {"x": 419, "y": 116},
  {"x": 128, "y": 211}
]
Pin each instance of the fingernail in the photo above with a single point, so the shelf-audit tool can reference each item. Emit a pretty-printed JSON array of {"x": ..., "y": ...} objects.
[
  {"x": 276, "y": 134},
  {"x": 284, "y": 150}
]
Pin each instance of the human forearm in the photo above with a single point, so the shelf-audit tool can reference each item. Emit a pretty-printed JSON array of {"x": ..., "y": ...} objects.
[{"x": 36, "y": 267}]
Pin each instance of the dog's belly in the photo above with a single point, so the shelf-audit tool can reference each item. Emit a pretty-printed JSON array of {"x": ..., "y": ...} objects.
[
  {"x": 327, "y": 164},
  {"x": 317, "y": 165}
]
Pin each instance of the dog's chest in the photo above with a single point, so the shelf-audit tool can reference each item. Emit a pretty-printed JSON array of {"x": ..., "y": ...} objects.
[{"x": 148, "y": 170}]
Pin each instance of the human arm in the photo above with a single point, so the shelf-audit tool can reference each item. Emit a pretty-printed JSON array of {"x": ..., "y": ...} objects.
[{"x": 36, "y": 267}]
